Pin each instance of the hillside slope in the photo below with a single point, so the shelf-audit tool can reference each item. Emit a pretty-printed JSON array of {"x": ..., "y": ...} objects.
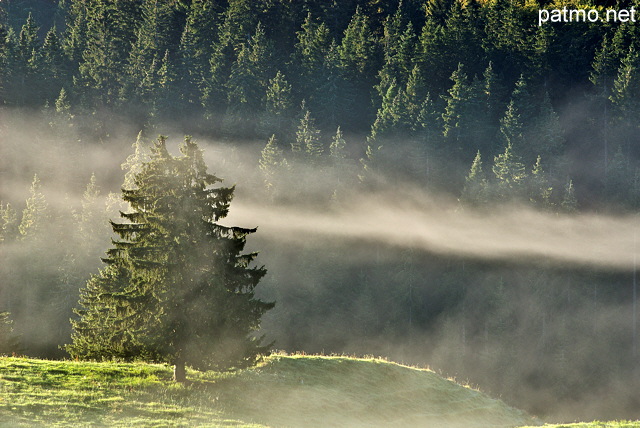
[{"x": 285, "y": 391}]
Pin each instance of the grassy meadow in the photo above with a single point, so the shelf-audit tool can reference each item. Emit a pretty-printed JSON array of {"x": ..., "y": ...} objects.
[{"x": 284, "y": 391}]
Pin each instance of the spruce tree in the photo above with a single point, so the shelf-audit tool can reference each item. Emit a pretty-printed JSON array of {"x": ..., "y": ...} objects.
[
  {"x": 308, "y": 137},
  {"x": 35, "y": 214},
  {"x": 177, "y": 287},
  {"x": 53, "y": 67},
  {"x": 8, "y": 223},
  {"x": 539, "y": 188},
  {"x": 277, "y": 114},
  {"x": 337, "y": 149},
  {"x": 309, "y": 55},
  {"x": 475, "y": 187},
  {"x": 272, "y": 163},
  {"x": 509, "y": 174},
  {"x": 462, "y": 112}
]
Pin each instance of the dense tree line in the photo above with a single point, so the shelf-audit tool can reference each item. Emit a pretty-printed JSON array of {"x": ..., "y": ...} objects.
[
  {"x": 443, "y": 79},
  {"x": 468, "y": 97}
]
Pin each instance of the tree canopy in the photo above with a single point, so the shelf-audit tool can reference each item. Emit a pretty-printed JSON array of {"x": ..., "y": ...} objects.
[{"x": 177, "y": 286}]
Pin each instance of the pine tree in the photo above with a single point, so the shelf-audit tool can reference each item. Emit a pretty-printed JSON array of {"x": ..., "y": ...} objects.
[
  {"x": 272, "y": 163},
  {"x": 276, "y": 116},
  {"x": 167, "y": 90},
  {"x": 493, "y": 107},
  {"x": 110, "y": 33},
  {"x": 337, "y": 149},
  {"x": 62, "y": 117},
  {"x": 278, "y": 95},
  {"x": 336, "y": 98},
  {"x": 177, "y": 287},
  {"x": 92, "y": 227},
  {"x": 359, "y": 64},
  {"x": 398, "y": 48},
  {"x": 247, "y": 83},
  {"x": 509, "y": 174},
  {"x": 35, "y": 214},
  {"x": 134, "y": 163},
  {"x": 602, "y": 76},
  {"x": 475, "y": 190},
  {"x": 8, "y": 223},
  {"x": 548, "y": 137},
  {"x": 539, "y": 188},
  {"x": 53, "y": 66},
  {"x": 625, "y": 97},
  {"x": 25, "y": 65},
  {"x": 462, "y": 113},
  {"x": 151, "y": 41},
  {"x": 309, "y": 54},
  {"x": 391, "y": 114},
  {"x": 426, "y": 127},
  {"x": 308, "y": 137},
  {"x": 511, "y": 127}
]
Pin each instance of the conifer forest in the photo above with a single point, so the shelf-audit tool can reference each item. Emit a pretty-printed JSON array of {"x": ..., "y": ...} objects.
[{"x": 450, "y": 183}]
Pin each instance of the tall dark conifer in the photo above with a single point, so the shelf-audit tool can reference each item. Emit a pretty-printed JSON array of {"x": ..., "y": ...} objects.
[{"x": 177, "y": 287}]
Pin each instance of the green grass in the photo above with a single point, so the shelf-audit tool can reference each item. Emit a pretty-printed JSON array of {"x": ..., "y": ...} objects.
[
  {"x": 284, "y": 391},
  {"x": 595, "y": 424}
]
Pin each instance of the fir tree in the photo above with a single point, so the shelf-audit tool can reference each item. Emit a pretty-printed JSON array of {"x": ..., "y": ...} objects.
[
  {"x": 337, "y": 149},
  {"x": 539, "y": 188},
  {"x": 399, "y": 50},
  {"x": 53, "y": 66},
  {"x": 548, "y": 138},
  {"x": 35, "y": 214},
  {"x": 272, "y": 163},
  {"x": 625, "y": 97},
  {"x": 308, "y": 137},
  {"x": 389, "y": 119},
  {"x": 309, "y": 54},
  {"x": 511, "y": 127},
  {"x": 248, "y": 80},
  {"x": 9, "y": 223},
  {"x": 276, "y": 116},
  {"x": 462, "y": 112},
  {"x": 475, "y": 187},
  {"x": 24, "y": 64},
  {"x": 177, "y": 287},
  {"x": 509, "y": 174}
]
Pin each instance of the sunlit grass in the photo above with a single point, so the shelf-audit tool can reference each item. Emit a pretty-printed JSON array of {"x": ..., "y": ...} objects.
[
  {"x": 595, "y": 424},
  {"x": 291, "y": 391},
  {"x": 54, "y": 393}
]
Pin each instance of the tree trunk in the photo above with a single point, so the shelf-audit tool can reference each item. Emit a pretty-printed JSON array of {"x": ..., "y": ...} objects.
[{"x": 179, "y": 370}]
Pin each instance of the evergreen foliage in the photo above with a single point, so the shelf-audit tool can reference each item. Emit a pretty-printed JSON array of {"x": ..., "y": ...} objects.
[
  {"x": 177, "y": 287},
  {"x": 34, "y": 216},
  {"x": 469, "y": 98}
]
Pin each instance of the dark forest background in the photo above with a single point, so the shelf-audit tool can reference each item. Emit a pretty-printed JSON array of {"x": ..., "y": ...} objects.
[{"x": 467, "y": 98}]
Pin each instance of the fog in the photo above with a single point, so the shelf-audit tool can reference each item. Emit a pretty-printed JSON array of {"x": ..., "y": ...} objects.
[
  {"x": 434, "y": 224},
  {"x": 529, "y": 305}
]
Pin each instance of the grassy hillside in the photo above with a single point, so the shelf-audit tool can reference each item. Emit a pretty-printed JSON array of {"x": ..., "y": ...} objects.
[
  {"x": 284, "y": 391},
  {"x": 595, "y": 424}
]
